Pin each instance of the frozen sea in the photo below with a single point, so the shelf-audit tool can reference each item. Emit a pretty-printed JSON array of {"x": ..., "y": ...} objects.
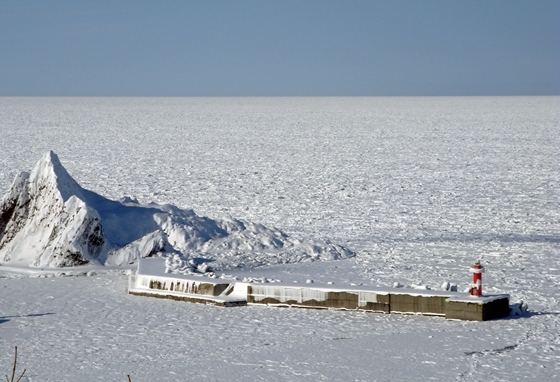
[{"x": 418, "y": 187}]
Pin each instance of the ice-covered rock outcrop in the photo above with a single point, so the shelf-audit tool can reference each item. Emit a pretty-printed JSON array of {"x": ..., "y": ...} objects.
[
  {"x": 45, "y": 221},
  {"x": 48, "y": 220}
]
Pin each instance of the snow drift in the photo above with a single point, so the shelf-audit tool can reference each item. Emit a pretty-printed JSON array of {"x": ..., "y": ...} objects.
[{"x": 48, "y": 220}]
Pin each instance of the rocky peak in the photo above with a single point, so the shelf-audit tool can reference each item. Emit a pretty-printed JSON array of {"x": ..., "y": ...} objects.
[
  {"x": 47, "y": 219},
  {"x": 49, "y": 177}
]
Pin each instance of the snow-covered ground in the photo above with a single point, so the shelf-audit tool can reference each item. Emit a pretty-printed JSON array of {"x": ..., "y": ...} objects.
[{"x": 418, "y": 187}]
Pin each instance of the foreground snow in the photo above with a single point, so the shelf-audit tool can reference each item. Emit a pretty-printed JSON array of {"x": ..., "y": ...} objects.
[
  {"x": 418, "y": 187},
  {"x": 84, "y": 328}
]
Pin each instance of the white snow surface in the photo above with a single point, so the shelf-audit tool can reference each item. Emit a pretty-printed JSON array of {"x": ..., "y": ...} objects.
[{"x": 419, "y": 188}]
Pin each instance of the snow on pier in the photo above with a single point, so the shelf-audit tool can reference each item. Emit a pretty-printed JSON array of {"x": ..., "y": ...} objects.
[{"x": 151, "y": 281}]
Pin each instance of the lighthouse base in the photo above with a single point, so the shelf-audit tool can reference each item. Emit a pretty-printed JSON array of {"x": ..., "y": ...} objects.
[{"x": 479, "y": 309}]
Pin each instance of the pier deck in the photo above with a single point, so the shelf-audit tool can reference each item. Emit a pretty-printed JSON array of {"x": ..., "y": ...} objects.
[{"x": 151, "y": 281}]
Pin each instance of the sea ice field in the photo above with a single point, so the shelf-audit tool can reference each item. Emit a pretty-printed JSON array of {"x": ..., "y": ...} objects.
[{"x": 418, "y": 188}]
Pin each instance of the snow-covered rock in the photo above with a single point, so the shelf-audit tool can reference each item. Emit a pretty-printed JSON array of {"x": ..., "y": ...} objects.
[
  {"x": 48, "y": 220},
  {"x": 45, "y": 221}
]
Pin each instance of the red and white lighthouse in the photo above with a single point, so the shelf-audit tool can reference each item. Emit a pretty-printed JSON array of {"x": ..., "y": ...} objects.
[{"x": 477, "y": 270}]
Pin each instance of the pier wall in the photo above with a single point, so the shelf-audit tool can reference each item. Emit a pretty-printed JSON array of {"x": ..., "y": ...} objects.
[
  {"x": 451, "y": 305},
  {"x": 202, "y": 290},
  {"x": 207, "y": 290}
]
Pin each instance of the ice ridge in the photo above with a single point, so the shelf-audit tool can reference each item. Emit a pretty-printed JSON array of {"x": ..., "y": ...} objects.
[{"x": 48, "y": 220}]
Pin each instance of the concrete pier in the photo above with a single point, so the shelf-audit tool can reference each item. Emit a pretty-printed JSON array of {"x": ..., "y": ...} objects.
[
  {"x": 451, "y": 305},
  {"x": 151, "y": 281},
  {"x": 488, "y": 308}
]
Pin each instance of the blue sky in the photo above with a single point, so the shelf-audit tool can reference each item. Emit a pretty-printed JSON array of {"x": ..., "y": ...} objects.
[{"x": 279, "y": 48}]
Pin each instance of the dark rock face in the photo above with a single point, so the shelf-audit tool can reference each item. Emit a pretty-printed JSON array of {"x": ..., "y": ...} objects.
[{"x": 14, "y": 209}]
